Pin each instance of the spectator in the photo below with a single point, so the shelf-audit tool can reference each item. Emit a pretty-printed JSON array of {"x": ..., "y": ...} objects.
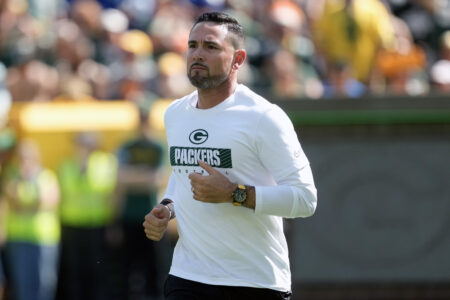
[
  {"x": 140, "y": 178},
  {"x": 169, "y": 26},
  {"x": 425, "y": 19},
  {"x": 87, "y": 15},
  {"x": 5, "y": 97},
  {"x": 71, "y": 49},
  {"x": 351, "y": 33},
  {"x": 33, "y": 80},
  {"x": 341, "y": 82},
  {"x": 33, "y": 231},
  {"x": 137, "y": 68},
  {"x": 2, "y": 242},
  {"x": 401, "y": 65},
  {"x": 139, "y": 12},
  {"x": 7, "y": 142},
  {"x": 3, "y": 160},
  {"x": 2, "y": 274},
  {"x": 57, "y": 49},
  {"x": 290, "y": 78},
  {"x": 23, "y": 51},
  {"x": 87, "y": 182},
  {"x": 440, "y": 71},
  {"x": 172, "y": 81}
]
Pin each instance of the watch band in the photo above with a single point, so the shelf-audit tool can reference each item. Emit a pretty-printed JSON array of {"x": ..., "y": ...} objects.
[{"x": 170, "y": 205}]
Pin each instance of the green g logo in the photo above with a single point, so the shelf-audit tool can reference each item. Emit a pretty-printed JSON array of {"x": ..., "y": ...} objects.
[{"x": 198, "y": 136}]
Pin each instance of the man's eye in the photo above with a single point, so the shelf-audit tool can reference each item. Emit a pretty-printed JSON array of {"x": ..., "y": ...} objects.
[{"x": 191, "y": 46}]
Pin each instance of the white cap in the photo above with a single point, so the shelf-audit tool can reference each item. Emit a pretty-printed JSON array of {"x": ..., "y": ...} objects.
[
  {"x": 114, "y": 20},
  {"x": 5, "y": 96},
  {"x": 440, "y": 72}
]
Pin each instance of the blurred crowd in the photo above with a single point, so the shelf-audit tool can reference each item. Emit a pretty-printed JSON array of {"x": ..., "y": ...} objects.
[
  {"x": 133, "y": 49},
  {"x": 76, "y": 232}
]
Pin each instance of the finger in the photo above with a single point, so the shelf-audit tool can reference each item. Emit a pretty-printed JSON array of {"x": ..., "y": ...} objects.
[
  {"x": 153, "y": 222},
  {"x": 148, "y": 216},
  {"x": 158, "y": 224},
  {"x": 152, "y": 233},
  {"x": 206, "y": 167},
  {"x": 154, "y": 237},
  {"x": 160, "y": 212},
  {"x": 155, "y": 233},
  {"x": 194, "y": 176},
  {"x": 198, "y": 196}
]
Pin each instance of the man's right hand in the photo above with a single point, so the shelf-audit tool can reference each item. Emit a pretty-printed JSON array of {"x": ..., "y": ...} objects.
[{"x": 156, "y": 222}]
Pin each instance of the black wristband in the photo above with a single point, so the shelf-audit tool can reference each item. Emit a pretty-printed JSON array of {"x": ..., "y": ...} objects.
[
  {"x": 170, "y": 205},
  {"x": 166, "y": 201}
]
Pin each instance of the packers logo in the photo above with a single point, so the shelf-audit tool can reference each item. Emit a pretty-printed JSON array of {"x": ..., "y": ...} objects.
[
  {"x": 198, "y": 136},
  {"x": 187, "y": 156}
]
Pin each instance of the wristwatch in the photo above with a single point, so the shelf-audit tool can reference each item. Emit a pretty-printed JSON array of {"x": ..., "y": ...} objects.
[
  {"x": 169, "y": 204},
  {"x": 239, "y": 195}
]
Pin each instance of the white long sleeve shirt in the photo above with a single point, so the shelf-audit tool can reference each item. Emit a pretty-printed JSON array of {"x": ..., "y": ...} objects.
[{"x": 252, "y": 142}]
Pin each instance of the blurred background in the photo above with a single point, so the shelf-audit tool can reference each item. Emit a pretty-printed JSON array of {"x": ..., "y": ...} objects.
[{"x": 83, "y": 89}]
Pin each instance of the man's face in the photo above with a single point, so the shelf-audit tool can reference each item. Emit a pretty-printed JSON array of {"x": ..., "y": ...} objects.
[{"x": 210, "y": 55}]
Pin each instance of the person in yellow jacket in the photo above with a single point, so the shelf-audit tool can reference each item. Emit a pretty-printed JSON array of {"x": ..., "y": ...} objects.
[
  {"x": 87, "y": 182},
  {"x": 350, "y": 33},
  {"x": 7, "y": 145},
  {"x": 32, "y": 225},
  {"x": 2, "y": 240}
]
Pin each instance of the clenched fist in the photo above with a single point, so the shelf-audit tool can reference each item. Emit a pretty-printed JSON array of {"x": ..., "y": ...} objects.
[{"x": 156, "y": 222}]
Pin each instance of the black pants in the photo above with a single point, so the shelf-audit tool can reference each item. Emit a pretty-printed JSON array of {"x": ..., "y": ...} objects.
[
  {"x": 177, "y": 288},
  {"x": 82, "y": 263},
  {"x": 140, "y": 264}
]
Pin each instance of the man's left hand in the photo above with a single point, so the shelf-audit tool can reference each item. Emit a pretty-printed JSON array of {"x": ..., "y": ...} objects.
[{"x": 212, "y": 188}]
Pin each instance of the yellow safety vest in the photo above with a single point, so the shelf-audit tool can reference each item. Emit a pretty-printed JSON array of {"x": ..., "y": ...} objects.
[
  {"x": 374, "y": 30},
  {"x": 86, "y": 197},
  {"x": 41, "y": 226}
]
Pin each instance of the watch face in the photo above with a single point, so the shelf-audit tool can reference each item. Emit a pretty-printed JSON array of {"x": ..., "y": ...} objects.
[{"x": 240, "y": 195}]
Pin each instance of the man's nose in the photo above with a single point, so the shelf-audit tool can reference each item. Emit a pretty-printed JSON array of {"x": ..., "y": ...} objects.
[{"x": 197, "y": 54}]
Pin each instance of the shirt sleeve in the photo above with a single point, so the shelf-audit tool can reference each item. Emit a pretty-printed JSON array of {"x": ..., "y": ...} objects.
[
  {"x": 294, "y": 194},
  {"x": 170, "y": 189}
]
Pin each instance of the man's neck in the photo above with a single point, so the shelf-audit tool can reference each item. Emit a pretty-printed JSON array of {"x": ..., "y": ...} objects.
[{"x": 208, "y": 98}]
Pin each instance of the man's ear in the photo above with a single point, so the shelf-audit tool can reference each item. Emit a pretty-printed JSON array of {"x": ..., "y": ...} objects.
[{"x": 239, "y": 58}]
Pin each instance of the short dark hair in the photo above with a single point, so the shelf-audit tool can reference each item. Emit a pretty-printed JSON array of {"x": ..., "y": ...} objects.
[{"x": 237, "y": 32}]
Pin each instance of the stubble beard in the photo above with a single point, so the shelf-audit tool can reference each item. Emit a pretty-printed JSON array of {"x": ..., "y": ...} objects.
[{"x": 206, "y": 82}]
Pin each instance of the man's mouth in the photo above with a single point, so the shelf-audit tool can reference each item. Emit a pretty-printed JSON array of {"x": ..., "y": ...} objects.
[{"x": 198, "y": 67}]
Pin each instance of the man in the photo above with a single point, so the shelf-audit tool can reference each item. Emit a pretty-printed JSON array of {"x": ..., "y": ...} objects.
[
  {"x": 2, "y": 279},
  {"x": 139, "y": 179},
  {"x": 2, "y": 238},
  {"x": 32, "y": 224},
  {"x": 238, "y": 168},
  {"x": 87, "y": 180},
  {"x": 351, "y": 33}
]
